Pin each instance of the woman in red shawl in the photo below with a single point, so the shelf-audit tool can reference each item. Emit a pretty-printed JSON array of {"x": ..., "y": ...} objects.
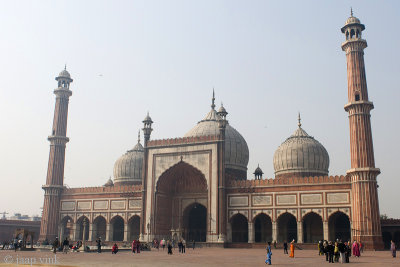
[
  {"x": 114, "y": 249},
  {"x": 356, "y": 249},
  {"x": 134, "y": 245},
  {"x": 137, "y": 246}
]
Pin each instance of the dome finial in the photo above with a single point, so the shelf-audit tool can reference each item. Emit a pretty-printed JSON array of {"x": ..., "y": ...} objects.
[
  {"x": 213, "y": 100},
  {"x": 351, "y": 11},
  {"x": 65, "y": 66},
  {"x": 299, "y": 120},
  {"x": 138, "y": 137}
]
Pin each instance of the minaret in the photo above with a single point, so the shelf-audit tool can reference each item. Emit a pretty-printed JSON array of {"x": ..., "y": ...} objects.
[
  {"x": 147, "y": 122},
  {"x": 366, "y": 225},
  {"x": 55, "y": 171}
]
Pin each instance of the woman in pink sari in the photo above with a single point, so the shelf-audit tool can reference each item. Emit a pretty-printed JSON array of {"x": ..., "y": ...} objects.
[{"x": 356, "y": 249}]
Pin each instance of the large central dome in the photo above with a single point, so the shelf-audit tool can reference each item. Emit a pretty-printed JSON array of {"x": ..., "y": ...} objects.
[
  {"x": 236, "y": 149},
  {"x": 301, "y": 155}
]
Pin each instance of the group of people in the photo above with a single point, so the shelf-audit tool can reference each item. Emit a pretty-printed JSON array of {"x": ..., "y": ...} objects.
[
  {"x": 285, "y": 250},
  {"x": 339, "y": 250}
]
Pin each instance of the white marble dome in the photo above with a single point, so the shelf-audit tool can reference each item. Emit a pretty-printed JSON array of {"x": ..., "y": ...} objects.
[
  {"x": 65, "y": 74},
  {"x": 128, "y": 168},
  {"x": 301, "y": 155},
  {"x": 236, "y": 149}
]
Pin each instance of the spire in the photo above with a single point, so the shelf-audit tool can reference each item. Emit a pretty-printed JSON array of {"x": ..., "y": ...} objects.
[
  {"x": 138, "y": 137},
  {"x": 65, "y": 66},
  {"x": 299, "y": 120},
  {"x": 351, "y": 11},
  {"x": 213, "y": 100}
]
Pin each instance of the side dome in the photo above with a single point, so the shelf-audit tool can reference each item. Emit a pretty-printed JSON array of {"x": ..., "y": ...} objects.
[
  {"x": 236, "y": 149},
  {"x": 128, "y": 168},
  {"x": 301, "y": 155}
]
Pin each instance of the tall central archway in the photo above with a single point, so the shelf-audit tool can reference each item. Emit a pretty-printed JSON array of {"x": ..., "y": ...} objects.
[{"x": 181, "y": 181}]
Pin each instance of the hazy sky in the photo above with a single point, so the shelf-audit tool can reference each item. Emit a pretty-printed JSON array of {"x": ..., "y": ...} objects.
[{"x": 267, "y": 60}]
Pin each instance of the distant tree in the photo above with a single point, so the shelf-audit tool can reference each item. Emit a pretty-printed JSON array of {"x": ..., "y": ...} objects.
[{"x": 384, "y": 217}]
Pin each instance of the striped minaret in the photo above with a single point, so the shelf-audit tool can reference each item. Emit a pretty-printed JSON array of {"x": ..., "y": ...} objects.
[
  {"x": 55, "y": 171},
  {"x": 366, "y": 227}
]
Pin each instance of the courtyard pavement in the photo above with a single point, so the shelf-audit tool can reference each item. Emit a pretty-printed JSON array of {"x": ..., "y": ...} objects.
[{"x": 207, "y": 257}]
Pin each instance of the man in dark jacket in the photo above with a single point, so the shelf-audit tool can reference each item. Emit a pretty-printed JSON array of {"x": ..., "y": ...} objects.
[
  {"x": 56, "y": 244},
  {"x": 342, "y": 250},
  {"x": 66, "y": 245},
  {"x": 331, "y": 251},
  {"x": 98, "y": 241},
  {"x": 285, "y": 248}
]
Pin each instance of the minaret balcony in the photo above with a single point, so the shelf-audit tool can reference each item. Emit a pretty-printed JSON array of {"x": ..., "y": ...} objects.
[
  {"x": 60, "y": 139},
  {"x": 359, "y": 106}
]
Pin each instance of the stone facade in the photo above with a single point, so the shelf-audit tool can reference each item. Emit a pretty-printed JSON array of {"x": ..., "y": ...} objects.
[{"x": 189, "y": 187}]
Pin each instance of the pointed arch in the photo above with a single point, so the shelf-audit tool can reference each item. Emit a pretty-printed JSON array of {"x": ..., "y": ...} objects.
[
  {"x": 262, "y": 228},
  {"x": 134, "y": 227},
  {"x": 312, "y": 227},
  {"x": 99, "y": 227},
  {"x": 175, "y": 179},
  {"x": 239, "y": 226},
  {"x": 117, "y": 225},
  {"x": 287, "y": 227},
  {"x": 339, "y": 226}
]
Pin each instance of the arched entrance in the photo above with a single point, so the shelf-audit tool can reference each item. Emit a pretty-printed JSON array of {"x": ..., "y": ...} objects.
[
  {"x": 387, "y": 237},
  {"x": 82, "y": 227},
  {"x": 117, "y": 229},
  {"x": 195, "y": 223},
  {"x": 262, "y": 228},
  {"x": 66, "y": 226},
  {"x": 240, "y": 228},
  {"x": 287, "y": 228},
  {"x": 134, "y": 228},
  {"x": 181, "y": 182},
  {"x": 339, "y": 226},
  {"x": 312, "y": 228},
  {"x": 99, "y": 228}
]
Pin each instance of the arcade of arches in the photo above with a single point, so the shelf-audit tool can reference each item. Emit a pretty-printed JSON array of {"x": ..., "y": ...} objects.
[
  {"x": 179, "y": 185},
  {"x": 116, "y": 230},
  {"x": 286, "y": 228}
]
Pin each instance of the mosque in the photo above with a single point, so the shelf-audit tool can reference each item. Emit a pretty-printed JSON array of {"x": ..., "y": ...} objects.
[{"x": 196, "y": 186}]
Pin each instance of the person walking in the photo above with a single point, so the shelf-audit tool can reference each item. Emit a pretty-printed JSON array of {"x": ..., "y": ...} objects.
[
  {"x": 326, "y": 251},
  {"x": 194, "y": 244},
  {"x": 138, "y": 246},
  {"x": 66, "y": 245},
  {"x": 356, "y": 249},
  {"x": 342, "y": 251},
  {"x": 269, "y": 254},
  {"x": 163, "y": 244},
  {"x": 331, "y": 251},
  {"x": 169, "y": 246},
  {"x": 292, "y": 249},
  {"x": 98, "y": 242},
  {"x": 134, "y": 245},
  {"x": 56, "y": 244},
  {"x": 393, "y": 248},
  {"x": 348, "y": 252},
  {"x": 114, "y": 249},
  {"x": 274, "y": 244},
  {"x": 285, "y": 248},
  {"x": 336, "y": 252},
  {"x": 183, "y": 246},
  {"x": 180, "y": 246}
]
